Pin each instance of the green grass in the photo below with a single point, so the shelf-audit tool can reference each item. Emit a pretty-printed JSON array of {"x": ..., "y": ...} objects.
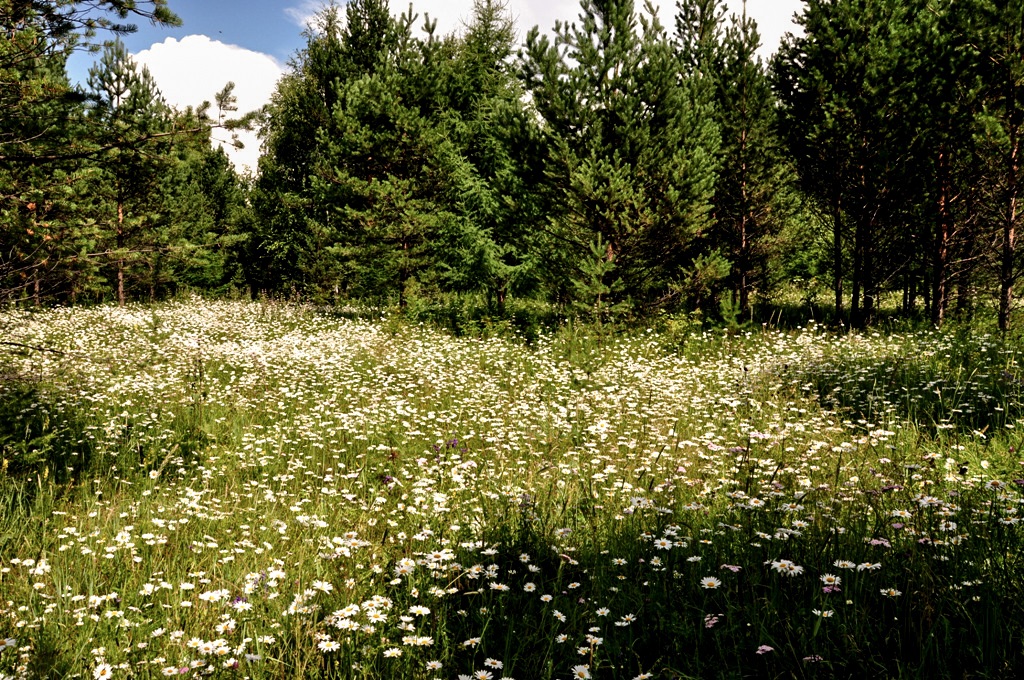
[{"x": 256, "y": 490}]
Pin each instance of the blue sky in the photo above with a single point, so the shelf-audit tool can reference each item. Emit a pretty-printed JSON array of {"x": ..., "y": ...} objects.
[
  {"x": 269, "y": 27},
  {"x": 259, "y": 25},
  {"x": 251, "y": 41}
]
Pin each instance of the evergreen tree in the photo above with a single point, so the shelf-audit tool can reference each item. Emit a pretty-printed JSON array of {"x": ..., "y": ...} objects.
[
  {"x": 941, "y": 114},
  {"x": 38, "y": 36},
  {"x": 127, "y": 103},
  {"x": 384, "y": 171},
  {"x": 35, "y": 197},
  {"x": 629, "y": 149},
  {"x": 754, "y": 198},
  {"x": 1000, "y": 40},
  {"x": 846, "y": 87},
  {"x": 201, "y": 207},
  {"x": 402, "y": 169},
  {"x": 490, "y": 247},
  {"x": 278, "y": 253},
  {"x": 46, "y": 236}
]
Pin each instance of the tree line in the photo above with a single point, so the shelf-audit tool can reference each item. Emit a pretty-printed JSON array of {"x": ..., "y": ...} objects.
[
  {"x": 106, "y": 192},
  {"x": 610, "y": 166}
]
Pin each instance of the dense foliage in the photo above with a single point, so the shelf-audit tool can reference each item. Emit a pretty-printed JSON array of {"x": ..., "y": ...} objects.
[
  {"x": 607, "y": 166},
  {"x": 105, "y": 191}
]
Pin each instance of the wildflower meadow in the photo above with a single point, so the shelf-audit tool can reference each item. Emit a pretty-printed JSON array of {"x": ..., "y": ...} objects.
[{"x": 257, "y": 490}]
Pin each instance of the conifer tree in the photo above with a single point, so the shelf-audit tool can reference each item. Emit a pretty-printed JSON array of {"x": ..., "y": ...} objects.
[
  {"x": 384, "y": 170},
  {"x": 387, "y": 168},
  {"x": 274, "y": 256},
  {"x": 491, "y": 245},
  {"x": 843, "y": 86},
  {"x": 943, "y": 99},
  {"x": 629, "y": 149},
  {"x": 754, "y": 197},
  {"x": 1001, "y": 45},
  {"x": 126, "y": 102}
]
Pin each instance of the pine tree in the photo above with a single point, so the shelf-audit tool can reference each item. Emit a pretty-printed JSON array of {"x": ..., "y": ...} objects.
[
  {"x": 384, "y": 172},
  {"x": 489, "y": 245},
  {"x": 399, "y": 184},
  {"x": 35, "y": 198},
  {"x": 47, "y": 236},
  {"x": 629, "y": 149},
  {"x": 754, "y": 198},
  {"x": 38, "y": 37},
  {"x": 127, "y": 103},
  {"x": 943, "y": 96},
  {"x": 1000, "y": 39},
  {"x": 201, "y": 205},
  {"x": 844, "y": 88},
  {"x": 300, "y": 107}
]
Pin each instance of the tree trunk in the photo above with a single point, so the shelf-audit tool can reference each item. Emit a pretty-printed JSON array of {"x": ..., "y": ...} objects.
[
  {"x": 856, "y": 316},
  {"x": 837, "y": 257},
  {"x": 744, "y": 259},
  {"x": 870, "y": 285},
  {"x": 120, "y": 255},
  {"x": 912, "y": 293},
  {"x": 1007, "y": 272},
  {"x": 403, "y": 274},
  {"x": 944, "y": 228}
]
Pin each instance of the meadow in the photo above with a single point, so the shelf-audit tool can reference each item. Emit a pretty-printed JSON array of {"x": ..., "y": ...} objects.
[{"x": 228, "y": 489}]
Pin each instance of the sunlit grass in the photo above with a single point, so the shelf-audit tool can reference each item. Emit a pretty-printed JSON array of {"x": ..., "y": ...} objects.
[{"x": 262, "y": 491}]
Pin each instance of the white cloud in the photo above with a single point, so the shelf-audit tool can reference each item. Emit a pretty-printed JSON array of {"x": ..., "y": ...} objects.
[
  {"x": 195, "y": 68},
  {"x": 304, "y": 13}
]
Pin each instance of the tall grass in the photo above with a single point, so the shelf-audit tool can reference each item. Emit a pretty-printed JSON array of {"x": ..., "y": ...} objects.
[{"x": 255, "y": 490}]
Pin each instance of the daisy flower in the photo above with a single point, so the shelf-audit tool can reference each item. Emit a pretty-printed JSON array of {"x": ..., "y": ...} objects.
[
  {"x": 710, "y": 583},
  {"x": 787, "y": 568}
]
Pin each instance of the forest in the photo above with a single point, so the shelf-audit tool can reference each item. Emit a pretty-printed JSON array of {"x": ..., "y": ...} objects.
[{"x": 609, "y": 167}]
